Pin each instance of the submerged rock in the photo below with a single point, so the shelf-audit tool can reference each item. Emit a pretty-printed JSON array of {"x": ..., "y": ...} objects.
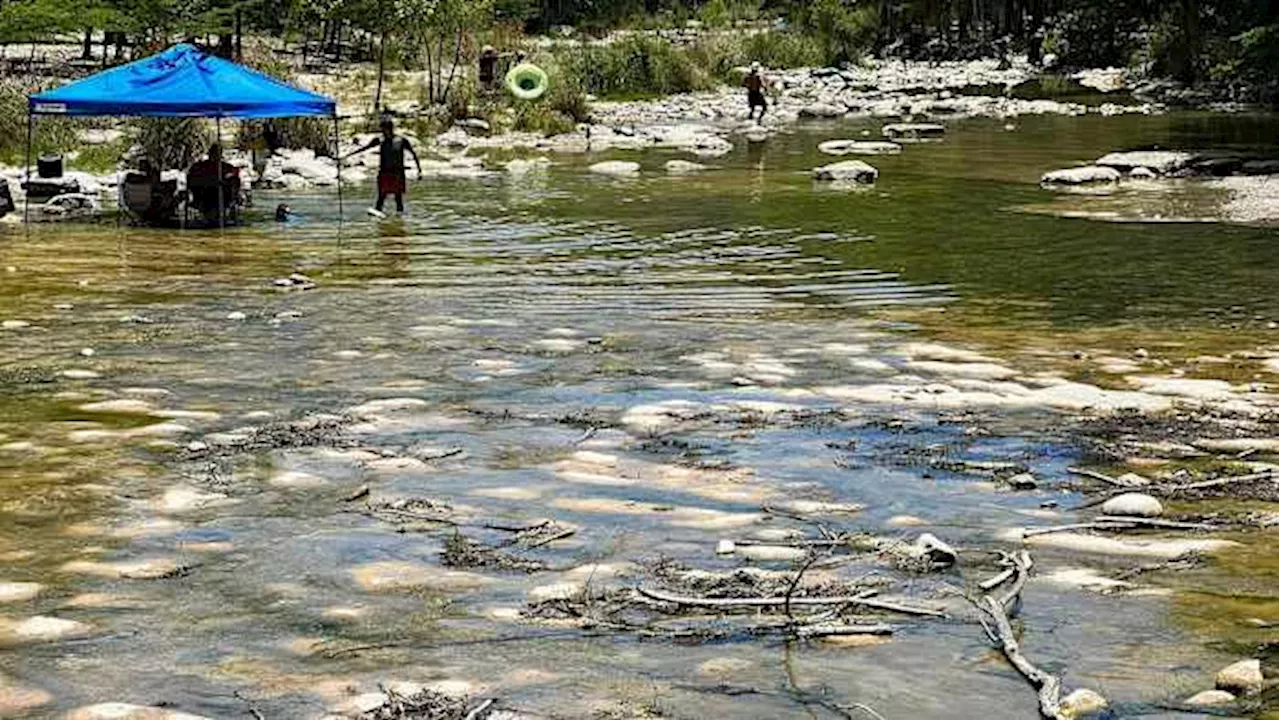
[
  {"x": 18, "y": 591},
  {"x": 683, "y": 167},
  {"x": 771, "y": 553},
  {"x": 1134, "y": 504},
  {"x": 400, "y": 575},
  {"x": 1243, "y": 677},
  {"x": 858, "y": 147},
  {"x": 1160, "y": 161},
  {"x": 19, "y": 700},
  {"x": 1081, "y": 176},
  {"x": 913, "y": 131},
  {"x": 1022, "y": 481},
  {"x": 1083, "y": 702},
  {"x": 40, "y": 628},
  {"x": 846, "y": 171},
  {"x": 616, "y": 168},
  {"x": 1210, "y": 698},
  {"x": 1097, "y": 544},
  {"x": 127, "y": 711}
]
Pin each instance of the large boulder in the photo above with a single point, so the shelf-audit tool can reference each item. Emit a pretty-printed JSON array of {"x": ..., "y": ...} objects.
[
  {"x": 846, "y": 171},
  {"x": 616, "y": 168},
  {"x": 858, "y": 147},
  {"x": 1085, "y": 175},
  {"x": 1161, "y": 161},
  {"x": 1243, "y": 677},
  {"x": 1134, "y": 505},
  {"x": 913, "y": 131}
]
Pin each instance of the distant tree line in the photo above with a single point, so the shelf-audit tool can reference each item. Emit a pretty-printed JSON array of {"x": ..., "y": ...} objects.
[{"x": 1191, "y": 40}]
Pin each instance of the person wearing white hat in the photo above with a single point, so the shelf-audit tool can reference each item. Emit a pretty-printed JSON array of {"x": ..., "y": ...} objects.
[{"x": 755, "y": 83}]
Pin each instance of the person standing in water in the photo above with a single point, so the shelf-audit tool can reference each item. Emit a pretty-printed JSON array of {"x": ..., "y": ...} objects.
[
  {"x": 391, "y": 150},
  {"x": 755, "y": 83}
]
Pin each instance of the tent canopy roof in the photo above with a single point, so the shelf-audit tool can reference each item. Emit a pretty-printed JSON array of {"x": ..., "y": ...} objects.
[{"x": 181, "y": 81}]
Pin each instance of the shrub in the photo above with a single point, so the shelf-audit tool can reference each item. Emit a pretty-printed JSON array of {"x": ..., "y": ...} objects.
[
  {"x": 51, "y": 133},
  {"x": 174, "y": 142},
  {"x": 634, "y": 66}
]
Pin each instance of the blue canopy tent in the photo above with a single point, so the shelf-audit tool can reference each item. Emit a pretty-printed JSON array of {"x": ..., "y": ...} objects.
[{"x": 182, "y": 81}]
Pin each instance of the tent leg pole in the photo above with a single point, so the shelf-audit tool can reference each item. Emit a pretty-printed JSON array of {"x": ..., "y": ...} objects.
[
  {"x": 222, "y": 219},
  {"x": 26, "y": 171},
  {"x": 337, "y": 162}
]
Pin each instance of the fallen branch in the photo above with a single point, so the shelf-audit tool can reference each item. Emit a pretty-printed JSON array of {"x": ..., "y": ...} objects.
[
  {"x": 1084, "y": 472},
  {"x": 1047, "y": 685},
  {"x": 1156, "y": 522},
  {"x": 479, "y": 710},
  {"x": 1218, "y": 481},
  {"x": 864, "y": 599}
]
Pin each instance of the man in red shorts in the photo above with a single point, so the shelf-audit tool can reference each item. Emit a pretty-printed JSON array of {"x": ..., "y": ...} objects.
[{"x": 391, "y": 150}]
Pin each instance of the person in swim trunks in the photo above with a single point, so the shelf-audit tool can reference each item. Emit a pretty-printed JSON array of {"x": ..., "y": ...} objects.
[
  {"x": 391, "y": 151},
  {"x": 755, "y": 83}
]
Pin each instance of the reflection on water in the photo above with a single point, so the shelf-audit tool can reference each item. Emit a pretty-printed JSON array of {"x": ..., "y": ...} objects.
[{"x": 522, "y": 311}]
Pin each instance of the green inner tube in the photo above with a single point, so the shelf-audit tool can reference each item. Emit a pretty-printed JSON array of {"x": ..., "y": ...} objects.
[{"x": 526, "y": 81}]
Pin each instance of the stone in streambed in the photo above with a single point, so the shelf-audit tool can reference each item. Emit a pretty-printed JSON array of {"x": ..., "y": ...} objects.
[
  {"x": 1082, "y": 703},
  {"x": 19, "y": 700},
  {"x": 40, "y": 628},
  {"x": 1085, "y": 175},
  {"x": 913, "y": 131},
  {"x": 1022, "y": 481},
  {"x": 905, "y": 521},
  {"x": 846, "y": 171},
  {"x": 18, "y": 591},
  {"x": 858, "y": 147},
  {"x": 1243, "y": 677},
  {"x": 1210, "y": 698},
  {"x": 1133, "y": 505},
  {"x": 936, "y": 552},
  {"x": 127, "y": 711},
  {"x": 771, "y": 553},
  {"x": 616, "y": 168},
  {"x": 683, "y": 167}
]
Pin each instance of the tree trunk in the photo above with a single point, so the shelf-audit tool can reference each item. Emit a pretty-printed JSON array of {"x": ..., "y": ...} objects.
[
  {"x": 87, "y": 52},
  {"x": 382, "y": 66},
  {"x": 239, "y": 46},
  {"x": 457, "y": 55}
]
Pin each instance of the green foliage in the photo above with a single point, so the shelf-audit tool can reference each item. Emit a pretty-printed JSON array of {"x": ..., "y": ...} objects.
[
  {"x": 634, "y": 66},
  {"x": 174, "y": 142},
  {"x": 51, "y": 134},
  {"x": 845, "y": 29},
  {"x": 295, "y": 132}
]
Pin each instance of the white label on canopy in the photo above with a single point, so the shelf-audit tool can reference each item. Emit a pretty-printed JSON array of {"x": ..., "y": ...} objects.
[{"x": 51, "y": 108}]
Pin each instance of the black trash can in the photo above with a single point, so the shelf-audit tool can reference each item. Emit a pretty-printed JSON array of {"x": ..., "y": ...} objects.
[{"x": 49, "y": 165}]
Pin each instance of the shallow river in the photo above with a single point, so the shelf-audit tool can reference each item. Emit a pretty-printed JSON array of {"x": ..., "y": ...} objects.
[{"x": 647, "y": 361}]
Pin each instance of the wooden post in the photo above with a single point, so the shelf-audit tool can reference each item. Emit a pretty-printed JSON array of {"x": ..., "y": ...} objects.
[{"x": 26, "y": 170}]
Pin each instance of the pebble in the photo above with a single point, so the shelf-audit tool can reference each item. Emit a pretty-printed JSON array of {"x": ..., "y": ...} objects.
[
  {"x": 126, "y": 711},
  {"x": 1244, "y": 677},
  {"x": 1083, "y": 702},
  {"x": 18, "y": 700},
  {"x": 616, "y": 168},
  {"x": 18, "y": 591},
  {"x": 725, "y": 547},
  {"x": 1022, "y": 481},
  {"x": 723, "y": 667},
  {"x": 79, "y": 374},
  {"x": 40, "y": 628},
  {"x": 14, "y": 324},
  {"x": 1133, "y": 504},
  {"x": 771, "y": 553},
  {"x": 236, "y": 315},
  {"x": 87, "y": 352},
  {"x": 402, "y": 575},
  {"x": 937, "y": 552},
  {"x": 1210, "y": 698}
]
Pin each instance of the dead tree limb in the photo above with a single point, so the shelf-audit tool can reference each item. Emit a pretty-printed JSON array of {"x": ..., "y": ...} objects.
[
  {"x": 864, "y": 599},
  {"x": 1113, "y": 482},
  {"x": 1048, "y": 686}
]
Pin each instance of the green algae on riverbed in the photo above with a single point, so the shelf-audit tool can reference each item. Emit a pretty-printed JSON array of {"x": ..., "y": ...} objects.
[{"x": 695, "y": 335}]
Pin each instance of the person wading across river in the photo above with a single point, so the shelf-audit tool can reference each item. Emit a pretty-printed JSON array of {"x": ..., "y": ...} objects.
[
  {"x": 391, "y": 150},
  {"x": 755, "y": 83}
]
